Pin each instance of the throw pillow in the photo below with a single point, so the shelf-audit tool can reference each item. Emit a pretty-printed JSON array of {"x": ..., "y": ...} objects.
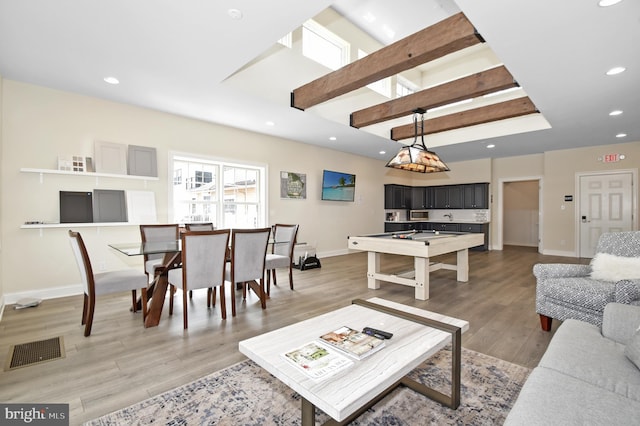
[
  {"x": 632, "y": 350},
  {"x": 608, "y": 267}
]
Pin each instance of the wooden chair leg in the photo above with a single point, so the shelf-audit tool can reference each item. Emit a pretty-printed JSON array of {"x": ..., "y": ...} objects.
[
  {"x": 135, "y": 301},
  {"x": 143, "y": 301},
  {"x": 209, "y": 297},
  {"x": 89, "y": 320},
  {"x": 233, "y": 299},
  {"x": 269, "y": 281},
  {"x": 213, "y": 296},
  {"x": 223, "y": 306},
  {"x": 273, "y": 271},
  {"x": 545, "y": 322},
  {"x": 244, "y": 291},
  {"x": 184, "y": 308},
  {"x": 290, "y": 276}
]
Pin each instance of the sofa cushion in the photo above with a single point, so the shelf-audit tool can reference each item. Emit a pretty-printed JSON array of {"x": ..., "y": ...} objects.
[
  {"x": 549, "y": 397},
  {"x": 578, "y": 349},
  {"x": 632, "y": 350},
  {"x": 608, "y": 267}
]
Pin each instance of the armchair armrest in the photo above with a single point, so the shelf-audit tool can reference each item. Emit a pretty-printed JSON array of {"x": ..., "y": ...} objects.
[
  {"x": 628, "y": 291},
  {"x": 620, "y": 321},
  {"x": 560, "y": 270}
]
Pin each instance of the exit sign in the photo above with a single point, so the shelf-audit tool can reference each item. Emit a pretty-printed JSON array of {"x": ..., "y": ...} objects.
[{"x": 611, "y": 158}]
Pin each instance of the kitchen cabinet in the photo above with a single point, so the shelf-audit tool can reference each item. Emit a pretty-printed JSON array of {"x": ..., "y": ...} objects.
[
  {"x": 476, "y": 195},
  {"x": 399, "y": 226},
  {"x": 448, "y": 197},
  {"x": 422, "y": 197},
  {"x": 445, "y": 226},
  {"x": 477, "y": 228},
  {"x": 397, "y": 197}
]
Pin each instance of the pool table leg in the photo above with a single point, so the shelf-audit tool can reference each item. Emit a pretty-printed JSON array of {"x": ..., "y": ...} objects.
[
  {"x": 421, "y": 265},
  {"x": 373, "y": 268},
  {"x": 463, "y": 265}
]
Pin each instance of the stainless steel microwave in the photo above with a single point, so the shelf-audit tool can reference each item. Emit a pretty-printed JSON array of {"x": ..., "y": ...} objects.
[{"x": 418, "y": 214}]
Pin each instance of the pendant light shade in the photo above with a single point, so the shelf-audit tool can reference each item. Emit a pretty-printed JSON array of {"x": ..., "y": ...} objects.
[{"x": 416, "y": 157}]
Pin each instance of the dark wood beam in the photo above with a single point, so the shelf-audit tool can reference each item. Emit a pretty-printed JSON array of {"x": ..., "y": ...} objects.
[
  {"x": 447, "y": 36},
  {"x": 468, "y": 87},
  {"x": 500, "y": 111}
]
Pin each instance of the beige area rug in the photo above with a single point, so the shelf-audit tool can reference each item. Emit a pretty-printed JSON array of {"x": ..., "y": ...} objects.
[{"x": 245, "y": 394}]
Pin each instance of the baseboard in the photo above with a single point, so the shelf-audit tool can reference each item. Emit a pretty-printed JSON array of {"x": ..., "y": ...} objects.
[
  {"x": 47, "y": 293},
  {"x": 559, "y": 253}
]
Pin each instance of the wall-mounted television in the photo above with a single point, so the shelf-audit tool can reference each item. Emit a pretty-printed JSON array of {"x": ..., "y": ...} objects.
[{"x": 337, "y": 186}]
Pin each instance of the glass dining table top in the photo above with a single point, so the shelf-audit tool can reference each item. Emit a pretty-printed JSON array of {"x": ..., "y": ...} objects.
[{"x": 149, "y": 247}]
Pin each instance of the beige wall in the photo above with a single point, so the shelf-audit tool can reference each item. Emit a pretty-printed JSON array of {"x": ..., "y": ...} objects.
[
  {"x": 1, "y": 197},
  {"x": 41, "y": 124},
  {"x": 38, "y": 124}
]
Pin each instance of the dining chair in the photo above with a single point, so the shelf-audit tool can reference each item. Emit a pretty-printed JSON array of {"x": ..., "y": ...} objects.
[
  {"x": 200, "y": 226},
  {"x": 104, "y": 282},
  {"x": 248, "y": 251},
  {"x": 151, "y": 233},
  {"x": 203, "y": 266},
  {"x": 281, "y": 256}
]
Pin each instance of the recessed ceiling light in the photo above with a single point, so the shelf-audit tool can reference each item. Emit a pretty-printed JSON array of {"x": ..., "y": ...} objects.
[
  {"x": 491, "y": 146},
  {"x": 111, "y": 80},
  {"x": 621, "y": 135},
  {"x": 616, "y": 70},
  {"x": 235, "y": 14},
  {"x": 382, "y": 152},
  {"x": 615, "y": 112},
  {"x": 270, "y": 123},
  {"x": 606, "y": 3},
  {"x": 332, "y": 138}
]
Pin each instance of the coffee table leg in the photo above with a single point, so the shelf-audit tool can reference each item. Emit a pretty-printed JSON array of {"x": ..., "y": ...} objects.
[{"x": 308, "y": 413}]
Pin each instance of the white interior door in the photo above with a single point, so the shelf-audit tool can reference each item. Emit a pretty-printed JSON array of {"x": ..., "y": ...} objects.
[{"x": 606, "y": 202}]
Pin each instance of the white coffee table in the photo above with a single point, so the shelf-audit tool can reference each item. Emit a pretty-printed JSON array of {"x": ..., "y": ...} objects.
[{"x": 350, "y": 392}]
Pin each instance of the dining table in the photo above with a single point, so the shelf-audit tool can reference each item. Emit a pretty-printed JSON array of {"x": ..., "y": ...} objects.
[{"x": 157, "y": 290}]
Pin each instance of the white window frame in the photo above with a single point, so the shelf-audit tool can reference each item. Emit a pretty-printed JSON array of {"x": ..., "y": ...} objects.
[
  {"x": 325, "y": 34},
  {"x": 262, "y": 185}
]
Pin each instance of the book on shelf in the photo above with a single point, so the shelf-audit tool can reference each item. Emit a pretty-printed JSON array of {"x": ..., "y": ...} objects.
[
  {"x": 354, "y": 343},
  {"x": 317, "y": 360}
]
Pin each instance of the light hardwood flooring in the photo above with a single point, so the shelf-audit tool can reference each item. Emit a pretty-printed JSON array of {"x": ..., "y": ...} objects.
[{"x": 122, "y": 362}]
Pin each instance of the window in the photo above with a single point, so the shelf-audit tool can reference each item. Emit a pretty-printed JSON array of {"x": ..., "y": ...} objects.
[
  {"x": 323, "y": 46},
  {"x": 228, "y": 195},
  {"x": 404, "y": 87}
]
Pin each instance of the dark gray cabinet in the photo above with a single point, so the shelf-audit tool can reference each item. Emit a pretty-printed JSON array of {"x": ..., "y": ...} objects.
[
  {"x": 445, "y": 226},
  {"x": 476, "y": 195},
  {"x": 448, "y": 197},
  {"x": 477, "y": 228},
  {"x": 422, "y": 197},
  {"x": 397, "y": 197}
]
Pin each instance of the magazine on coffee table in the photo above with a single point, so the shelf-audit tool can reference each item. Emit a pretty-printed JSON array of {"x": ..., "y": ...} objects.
[
  {"x": 352, "y": 342},
  {"x": 317, "y": 360}
]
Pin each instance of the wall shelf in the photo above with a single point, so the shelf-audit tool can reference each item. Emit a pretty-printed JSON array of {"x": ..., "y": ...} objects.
[
  {"x": 42, "y": 172},
  {"x": 75, "y": 225}
]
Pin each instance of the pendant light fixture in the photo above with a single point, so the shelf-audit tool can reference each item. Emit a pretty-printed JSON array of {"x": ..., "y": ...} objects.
[{"x": 416, "y": 157}]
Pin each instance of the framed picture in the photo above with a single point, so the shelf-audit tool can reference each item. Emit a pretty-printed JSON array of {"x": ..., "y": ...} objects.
[{"x": 293, "y": 185}]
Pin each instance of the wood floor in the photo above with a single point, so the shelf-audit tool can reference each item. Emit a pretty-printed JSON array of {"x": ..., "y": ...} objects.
[{"x": 122, "y": 363}]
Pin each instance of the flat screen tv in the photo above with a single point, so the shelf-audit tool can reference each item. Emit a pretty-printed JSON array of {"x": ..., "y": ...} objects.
[{"x": 337, "y": 186}]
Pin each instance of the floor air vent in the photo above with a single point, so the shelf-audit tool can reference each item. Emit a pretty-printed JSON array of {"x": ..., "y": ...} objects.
[{"x": 35, "y": 353}]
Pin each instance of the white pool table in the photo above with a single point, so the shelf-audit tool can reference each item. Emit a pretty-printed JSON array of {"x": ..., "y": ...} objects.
[{"x": 421, "y": 245}]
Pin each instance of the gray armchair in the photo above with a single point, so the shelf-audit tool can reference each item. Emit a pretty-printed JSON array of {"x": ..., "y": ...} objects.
[{"x": 569, "y": 291}]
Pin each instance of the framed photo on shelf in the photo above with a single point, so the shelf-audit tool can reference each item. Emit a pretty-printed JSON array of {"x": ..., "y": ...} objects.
[{"x": 293, "y": 185}]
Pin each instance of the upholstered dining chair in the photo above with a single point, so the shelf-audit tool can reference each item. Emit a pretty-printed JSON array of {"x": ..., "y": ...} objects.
[
  {"x": 200, "y": 226},
  {"x": 248, "y": 251},
  {"x": 281, "y": 256},
  {"x": 582, "y": 291},
  {"x": 203, "y": 266},
  {"x": 159, "y": 232},
  {"x": 104, "y": 282}
]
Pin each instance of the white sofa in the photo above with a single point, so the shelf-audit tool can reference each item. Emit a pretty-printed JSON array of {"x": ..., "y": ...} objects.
[{"x": 587, "y": 376}]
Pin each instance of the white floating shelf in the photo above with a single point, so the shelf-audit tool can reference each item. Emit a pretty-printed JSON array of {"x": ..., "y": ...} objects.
[{"x": 90, "y": 174}]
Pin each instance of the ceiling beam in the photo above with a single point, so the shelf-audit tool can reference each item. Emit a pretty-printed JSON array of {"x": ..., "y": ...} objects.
[
  {"x": 472, "y": 86},
  {"x": 447, "y": 36},
  {"x": 500, "y": 111}
]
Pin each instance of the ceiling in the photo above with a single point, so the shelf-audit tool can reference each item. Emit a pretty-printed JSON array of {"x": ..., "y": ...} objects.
[{"x": 192, "y": 58}]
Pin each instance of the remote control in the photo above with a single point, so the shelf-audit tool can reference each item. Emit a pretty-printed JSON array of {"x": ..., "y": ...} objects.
[{"x": 378, "y": 333}]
